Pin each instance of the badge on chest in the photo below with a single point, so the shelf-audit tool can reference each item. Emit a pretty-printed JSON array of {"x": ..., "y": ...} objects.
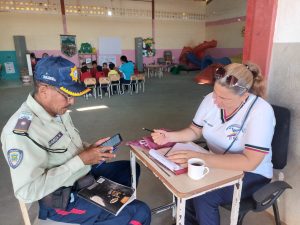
[{"x": 232, "y": 131}]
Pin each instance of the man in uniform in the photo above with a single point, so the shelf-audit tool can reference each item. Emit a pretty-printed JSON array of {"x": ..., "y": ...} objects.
[{"x": 48, "y": 161}]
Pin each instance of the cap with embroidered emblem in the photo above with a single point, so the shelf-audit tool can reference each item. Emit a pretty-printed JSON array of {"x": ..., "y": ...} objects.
[{"x": 59, "y": 72}]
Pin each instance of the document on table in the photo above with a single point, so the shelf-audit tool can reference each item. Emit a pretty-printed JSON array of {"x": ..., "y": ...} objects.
[{"x": 175, "y": 168}]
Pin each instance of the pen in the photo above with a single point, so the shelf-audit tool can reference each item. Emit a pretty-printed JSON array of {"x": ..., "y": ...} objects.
[
  {"x": 168, "y": 151},
  {"x": 152, "y": 131}
]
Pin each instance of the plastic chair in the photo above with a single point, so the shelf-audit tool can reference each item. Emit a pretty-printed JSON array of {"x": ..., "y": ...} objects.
[
  {"x": 104, "y": 82},
  {"x": 267, "y": 196},
  {"x": 115, "y": 82},
  {"x": 90, "y": 83},
  {"x": 133, "y": 83},
  {"x": 25, "y": 207}
]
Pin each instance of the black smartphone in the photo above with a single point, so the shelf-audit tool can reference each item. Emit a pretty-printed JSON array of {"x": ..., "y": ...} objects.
[{"x": 114, "y": 141}]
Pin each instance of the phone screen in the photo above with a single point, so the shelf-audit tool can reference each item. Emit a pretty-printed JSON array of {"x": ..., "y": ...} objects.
[{"x": 113, "y": 141}]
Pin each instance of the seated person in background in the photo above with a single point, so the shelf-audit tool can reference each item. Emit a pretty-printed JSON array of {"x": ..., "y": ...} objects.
[
  {"x": 93, "y": 70},
  {"x": 127, "y": 70},
  {"x": 83, "y": 64},
  {"x": 112, "y": 70},
  {"x": 105, "y": 69},
  {"x": 51, "y": 163},
  {"x": 45, "y": 54},
  {"x": 99, "y": 73},
  {"x": 238, "y": 125},
  {"x": 33, "y": 61},
  {"x": 84, "y": 73}
]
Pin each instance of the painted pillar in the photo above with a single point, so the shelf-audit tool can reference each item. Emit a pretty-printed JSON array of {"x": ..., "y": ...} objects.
[
  {"x": 260, "y": 25},
  {"x": 153, "y": 19},
  {"x": 63, "y": 14}
]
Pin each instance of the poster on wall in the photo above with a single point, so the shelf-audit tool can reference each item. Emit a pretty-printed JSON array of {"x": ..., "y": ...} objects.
[
  {"x": 9, "y": 68},
  {"x": 110, "y": 46},
  {"x": 148, "y": 47},
  {"x": 68, "y": 45},
  {"x": 107, "y": 59}
]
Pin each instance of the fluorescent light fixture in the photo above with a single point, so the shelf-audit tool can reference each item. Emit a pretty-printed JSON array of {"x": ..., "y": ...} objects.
[
  {"x": 109, "y": 13},
  {"x": 92, "y": 108}
]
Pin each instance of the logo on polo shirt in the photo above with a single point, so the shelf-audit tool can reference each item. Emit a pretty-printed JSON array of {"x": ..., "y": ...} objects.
[{"x": 232, "y": 131}]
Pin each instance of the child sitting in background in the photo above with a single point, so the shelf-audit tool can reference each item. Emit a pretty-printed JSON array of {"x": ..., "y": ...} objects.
[
  {"x": 112, "y": 70},
  {"x": 93, "y": 70},
  {"x": 111, "y": 73},
  {"x": 99, "y": 73},
  {"x": 105, "y": 69},
  {"x": 84, "y": 73}
]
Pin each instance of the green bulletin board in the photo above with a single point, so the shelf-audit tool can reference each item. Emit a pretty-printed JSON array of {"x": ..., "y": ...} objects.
[{"x": 9, "y": 68}]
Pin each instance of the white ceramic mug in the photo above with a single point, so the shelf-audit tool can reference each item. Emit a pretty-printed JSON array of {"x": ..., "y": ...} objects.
[{"x": 197, "y": 168}]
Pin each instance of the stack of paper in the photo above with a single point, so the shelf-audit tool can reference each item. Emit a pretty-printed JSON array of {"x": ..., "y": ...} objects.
[{"x": 159, "y": 155}]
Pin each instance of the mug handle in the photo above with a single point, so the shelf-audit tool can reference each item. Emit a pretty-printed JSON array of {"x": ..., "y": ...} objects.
[{"x": 207, "y": 171}]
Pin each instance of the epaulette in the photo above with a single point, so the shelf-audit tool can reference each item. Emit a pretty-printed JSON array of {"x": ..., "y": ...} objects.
[
  {"x": 23, "y": 123},
  {"x": 22, "y": 127}
]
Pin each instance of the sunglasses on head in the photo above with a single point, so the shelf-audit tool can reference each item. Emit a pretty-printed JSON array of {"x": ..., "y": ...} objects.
[{"x": 230, "y": 80}]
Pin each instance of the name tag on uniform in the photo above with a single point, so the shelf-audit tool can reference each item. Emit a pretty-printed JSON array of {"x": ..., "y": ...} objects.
[{"x": 55, "y": 139}]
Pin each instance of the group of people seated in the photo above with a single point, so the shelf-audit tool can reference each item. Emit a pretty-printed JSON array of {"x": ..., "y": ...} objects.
[
  {"x": 125, "y": 71},
  {"x": 50, "y": 163}
]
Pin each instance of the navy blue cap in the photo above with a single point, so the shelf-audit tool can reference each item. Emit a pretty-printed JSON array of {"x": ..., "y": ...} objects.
[{"x": 59, "y": 72}]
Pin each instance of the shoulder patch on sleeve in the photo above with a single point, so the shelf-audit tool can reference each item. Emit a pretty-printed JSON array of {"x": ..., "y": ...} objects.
[
  {"x": 15, "y": 157},
  {"x": 23, "y": 122}
]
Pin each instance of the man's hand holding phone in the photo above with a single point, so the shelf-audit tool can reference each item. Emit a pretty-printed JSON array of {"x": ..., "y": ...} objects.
[
  {"x": 96, "y": 153},
  {"x": 102, "y": 150}
]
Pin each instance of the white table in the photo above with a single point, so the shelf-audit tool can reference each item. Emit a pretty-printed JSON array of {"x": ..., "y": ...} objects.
[
  {"x": 155, "y": 70},
  {"x": 185, "y": 188}
]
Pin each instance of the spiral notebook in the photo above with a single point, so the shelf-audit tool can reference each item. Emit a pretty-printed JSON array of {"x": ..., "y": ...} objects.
[{"x": 159, "y": 155}]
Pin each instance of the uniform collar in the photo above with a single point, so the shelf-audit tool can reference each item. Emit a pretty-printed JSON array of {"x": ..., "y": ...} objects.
[
  {"x": 37, "y": 109},
  {"x": 225, "y": 118}
]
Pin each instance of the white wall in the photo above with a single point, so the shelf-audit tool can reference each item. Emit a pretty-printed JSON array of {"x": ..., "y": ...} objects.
[
  {"x": 284, "y": 86},
  {"x": 225, "y": 9},
  {"x": 232, "y": 38},
  {"x": 224, "y": 24},
  {"x": 42, "y": 31}
]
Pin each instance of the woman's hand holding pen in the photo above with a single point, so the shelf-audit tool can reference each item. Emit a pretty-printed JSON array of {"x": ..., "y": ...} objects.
[{"x": 161, "y": 137}]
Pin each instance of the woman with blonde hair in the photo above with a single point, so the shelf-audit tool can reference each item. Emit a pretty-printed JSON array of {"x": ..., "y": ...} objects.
[{"x": 238, "y": 126}]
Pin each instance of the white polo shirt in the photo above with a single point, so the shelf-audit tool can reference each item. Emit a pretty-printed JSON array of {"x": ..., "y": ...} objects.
[{"x": 256, "y": 135}]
